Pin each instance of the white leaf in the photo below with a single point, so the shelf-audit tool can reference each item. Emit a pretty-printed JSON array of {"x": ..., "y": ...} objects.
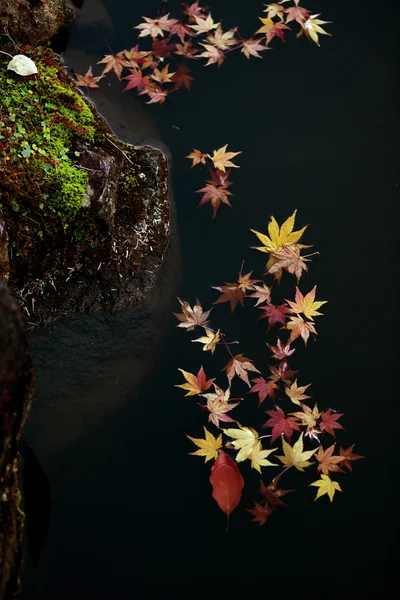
[{"x": 22, "y": 65}]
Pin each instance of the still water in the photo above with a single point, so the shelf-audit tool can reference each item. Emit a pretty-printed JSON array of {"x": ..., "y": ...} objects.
[{"x": 317, "y": 130}]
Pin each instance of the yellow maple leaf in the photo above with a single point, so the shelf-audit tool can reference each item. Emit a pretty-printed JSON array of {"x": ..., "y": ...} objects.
[
  {"x": 210, "y": 340},
  {"x": 278, "y": 236},
  {"x": 221, "y": 158},
  {"x": 245, "y": 440},
  {"x": 295, "y": 456},
  {"x": 312, "y": 28},
  {"x": 296, "y": 392},
  {"x": 306, "y": 304},
  {"x": 208, "y": 447},
  {"x": 259, "y": 459},
  {"x": 197, "y": 157},
  {"x": 326, "y": 486}
]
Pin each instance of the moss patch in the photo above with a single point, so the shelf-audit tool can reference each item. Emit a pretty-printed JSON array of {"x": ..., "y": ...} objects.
[{"x": 42, "y": 189}]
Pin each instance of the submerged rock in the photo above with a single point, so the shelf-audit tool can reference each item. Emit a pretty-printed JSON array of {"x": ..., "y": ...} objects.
[
  {"x": 16, "y": 388},
  {"x": 87, "y": 216},
  {"x": 33, "y": 21}
]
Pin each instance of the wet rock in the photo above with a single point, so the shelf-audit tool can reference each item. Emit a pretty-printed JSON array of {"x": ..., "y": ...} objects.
[
  {"x": 108, "y": 257},
  {"x": 16, "y": 387},
  {"x": 4, "y": 261},
  {"x": 33, "y": 21}
]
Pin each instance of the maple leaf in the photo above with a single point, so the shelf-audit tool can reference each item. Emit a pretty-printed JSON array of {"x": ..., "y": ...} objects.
[
  {"x": 288, "y": 258},
  {"x": 327, "y": 462},
  {"x": 114, "y": 62},
  {"x": 186, "y": 50},
  {"x": 299, "y": 327},
  {"x": 210, "y": 340},
  {"x": 258, "y": 457},
  {"x": 221, "y": 158},
  {"x": 197, "y": 157},
  {"x": 204, "y": 25},
  {"x": 281, "y": 350},
  {"x": 239, "y": 365},
  {"x": 162, "y": 76},
  {"x": 281, "y": 424},
  {"x": 260, "y": 513},
  {"x": 138, "y": 58},
  {"x": 245, "y": 440},
  {"x": 191, "y": 317},
  {"x": 273, "y": 494},
  {"x": 231, "y": 293},
  {"x": 252, "y": 48},
  {"x": 155, "y": 27},
  {"x": 274, "y": 314},
  {"x": 281, "y": 372},
  {"x": 182, "y": 78},
  {"x": 181, "y": 30},
  {"x": 222, "y": 40},
  {"x": 245, "y": 282},
  {"x": 194, "y": 10},
  {"x": 87, "y": 80},
  {"x": 295, "y": 456},
  {"x": 208, "y": 447},
  {"x": 329, "y": 422},
  {"x": 274, "y": 10},
  {"x": 349, "y": 456},
  {"x": 195, "y": 383},
  {"x": 306, "y": 305},
  {"x": 227, "y": 483},
  {"x": 278, "y": 236},
  {"x": 156, "y": 95},
  {"x": 296, "y": 393},
  {"x": 312, "y": 27},
  {"x": 218, "y": 405},
  {"x": 263, "y": 293},
  {"x": 215, "y": 195},
  {"x": 326, "y": 486},
  {"x": 296, "y": 13},
  {"x": 214, "y": 55},
  {"x": 264, "y": 389},
  {"x": 272, "y": 29},
  {"x": 136, "y": 80},
  {"x": 161, "y": 49},
  {"x": 308, "y": 418}
]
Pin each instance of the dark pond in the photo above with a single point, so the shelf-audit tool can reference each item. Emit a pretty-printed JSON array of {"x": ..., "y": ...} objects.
[{"x": 318, "y": 128}]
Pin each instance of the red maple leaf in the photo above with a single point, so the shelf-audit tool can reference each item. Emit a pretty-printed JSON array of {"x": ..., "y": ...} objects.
[
  {"x": 274, "y": 314},
  {"x": 230, "y": 292},
  {"x": 264, "y": 389},
  {"x": 181, "y": 30},
  {"x": 281, "y": 372},
  {"x": 182, "y": 78},
  {"x": 186, "y": 50},
  {"x": 137, "y": 80},
  {"x": 281, "y": 350},
  {"x": 281, "y": 423},
  {"x": 273, "y": 494},
  {"x": 329, "y": 422},
  {"x": 162, "y": 48},
  {"x": 227, "y": 482},
  {"x": 348, "y": 456}
]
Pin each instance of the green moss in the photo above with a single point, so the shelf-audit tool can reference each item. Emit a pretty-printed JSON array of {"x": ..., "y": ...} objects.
[{"x": 42, "y": 119}]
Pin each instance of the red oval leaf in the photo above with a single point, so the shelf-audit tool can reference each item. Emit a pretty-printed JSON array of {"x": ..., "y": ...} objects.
[{"x": 227, "y": 482}]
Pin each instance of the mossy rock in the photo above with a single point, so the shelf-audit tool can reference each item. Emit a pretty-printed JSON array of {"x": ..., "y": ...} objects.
[{"x": 73, "y": 198}]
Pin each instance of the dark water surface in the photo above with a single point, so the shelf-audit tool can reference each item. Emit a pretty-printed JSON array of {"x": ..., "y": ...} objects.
[{"x": 319, "y": 131}]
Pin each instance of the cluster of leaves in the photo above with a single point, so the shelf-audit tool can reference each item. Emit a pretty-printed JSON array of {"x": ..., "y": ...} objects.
[
  {"x": 215, "y": 190},
  {"x": 308, "y": 423},
  {"x": 163, "y": 68}
]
